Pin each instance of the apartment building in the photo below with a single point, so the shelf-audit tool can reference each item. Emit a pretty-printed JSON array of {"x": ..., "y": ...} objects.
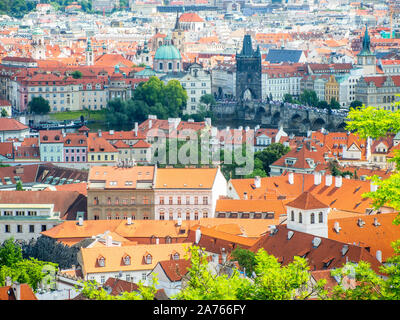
[{"x": 120, "y": 193}]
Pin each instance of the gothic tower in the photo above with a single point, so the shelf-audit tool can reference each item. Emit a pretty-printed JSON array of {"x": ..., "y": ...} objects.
[
  {"x": 366, "y": 59},
  {"x": 248, "y": 72},
  {"x": 38, "y": 46},
  {"x": 178, "y": 36}
]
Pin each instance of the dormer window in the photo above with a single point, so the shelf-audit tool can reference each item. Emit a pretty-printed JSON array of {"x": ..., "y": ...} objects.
[
  {"x": 68, "y": 141},
  {"x": 45, "y": 138},
  {"x": 57, "y": 138},
  {"x": 148, "y": 258},
  {"x": 175, "y": 256},
  {"x": 127, "y": 260},
  {"x": 101, "y": 261}
]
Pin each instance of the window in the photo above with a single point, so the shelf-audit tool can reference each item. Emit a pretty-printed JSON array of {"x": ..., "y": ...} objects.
[
  {"x": 44, "y": 227},
  {"x": 187, "y": 200},
  {"x": 148, "y": 259},
  {"x": 196, "y": 215},
  {"x": 132, "y": 200},
  {"x": 7, "y": 213},
  {"x": 205, "y": 214},
  {"x": 95, "y": 201},
  {"x": 145, "y": 199},
  {"x": 196, "y": 200},
  {"x": 144, "y": 276},
  {"x": 179, "y": 200},
  {"x": 127, "y": 260},
  {"x": 19, "y": 228},
  {"x": 320, "y": 217},
  {"x": 292, "y": 216},
  {"x": 102, "y": 279},
  {"x": 188, "y": 215},
  {"x": 32, "y": 213},
  {"x": 205, "y": 200},
  {"x": 161, "y": 200},
  {"x": 101, "y": 261},
  {"x": 171, "y": 200},
  {"x": 312, "y": 218},
  {"x": 300, "y": 217},
  {"x": 168, "y": 239},
  {"x": 175, "y": 256},
  {"x": 7, "y": 228},
  {"x": 162, "y": 215},
  {"x": 116, "y": 201}
]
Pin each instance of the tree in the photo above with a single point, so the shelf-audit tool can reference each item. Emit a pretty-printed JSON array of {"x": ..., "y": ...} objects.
[
  {"x": 76, "y": 74},
  {"x": 272, "y": 281},
  {"x": 288, "y": 98},
  {"x": 270, "y": 154},
  {"x": 19, "y": 186},
  {"x": 356, "y": 104},
  {"x": 208, "y": 100},
  {"x": 322, "y": 104},
  {"x": 246, "y": 260},
  {"x": 309, "y": 97},
  {"x": 334, "y": 104},
  {"x": 4, "y": 113},
  {"x": 39, "y": 105},
  {"x": 10, "y": 253}
]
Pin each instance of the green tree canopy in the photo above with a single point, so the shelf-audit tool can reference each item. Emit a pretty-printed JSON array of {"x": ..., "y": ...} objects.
[
  {"x": 76, "y": 74},
  {"x": 39, "y": 105}
]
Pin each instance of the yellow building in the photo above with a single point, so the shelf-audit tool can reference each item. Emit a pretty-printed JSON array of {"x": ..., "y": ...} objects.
[
  {"x": 100, "y": 150},
  {"x": 331, "y": 89}
]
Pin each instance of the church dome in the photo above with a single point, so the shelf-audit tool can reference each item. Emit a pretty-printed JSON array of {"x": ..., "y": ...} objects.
[{"x": 167, "y": 52}]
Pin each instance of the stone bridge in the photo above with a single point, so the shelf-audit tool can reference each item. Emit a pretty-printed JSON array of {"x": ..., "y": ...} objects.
[{"x": 293, "y": 118}]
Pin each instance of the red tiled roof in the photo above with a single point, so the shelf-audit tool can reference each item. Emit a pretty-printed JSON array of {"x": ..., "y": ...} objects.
[
  {"x": 7, "y": 293},
  {"x": 10, "y": 124},
  {"x": 307, "y": 201},
  {"x": 175, "y": 269}
]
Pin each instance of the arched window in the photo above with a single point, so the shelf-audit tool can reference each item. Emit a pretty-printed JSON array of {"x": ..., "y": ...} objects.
[
  {"x": 168, "y": 239},
  {"x": 312, "y": 218},
  {"x": 188, "y": 215},
  {"x": 169, "y": 65},
  {"x": 101, "y": 261},
  {"x": 171, "y": 214},
  {"x": 127, "y": 260},
  {"x": 320, "y": 217},
  {"x": 205, "y": 214},
  {"x": 292, "y": 216},
  {"x": 148, "y": 259},
  {"x": 176, "y": 256},
  {"x": 300, "y": 217},
  {"x": 162, "y": 215}
]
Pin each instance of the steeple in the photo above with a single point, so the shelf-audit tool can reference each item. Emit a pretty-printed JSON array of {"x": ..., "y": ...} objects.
[
  {"x": 366, "y": 48},
  {"x": 177, "y": 25},
  {"x": 247, "y": 49}
]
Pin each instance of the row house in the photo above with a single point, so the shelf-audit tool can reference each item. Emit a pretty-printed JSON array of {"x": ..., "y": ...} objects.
[
  {"x": 277, "y": 82},
  {"x": 100, "y": 150},
  {"x": 75, "y": 148},
  {"x": 223, "y": 77},
  {"x": 120, "y": 193},
  {"x": 51, "y": 145},
  {"x": 315, "y": 83},
  {"x": 379, "y": 91},
  {"x": 187, "y": 193},
  {"x": 25, "y": 214},
  {"x": 266, "y": 136}
]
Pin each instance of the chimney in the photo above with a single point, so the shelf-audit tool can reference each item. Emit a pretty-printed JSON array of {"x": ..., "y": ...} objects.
[
  {"x": 136, "y": 128},
  {"x": 8, "y": 281},
  {"x": 379, "y": 255},
  {"x": 245, "y": 195},
  {"x": 328, "y": 180},
  {"x": 17, "y": 290},
  {"x": 150, "y": 123},
  {"x": 80, "y": 221},
  {"x": 99, "y": 133},
  {"x": 129, "y": 221},
  {"x": 257, "y": 182},
  {"x": 338, "y": 181},
  {"x": 198, "y": 235},
  {"x": 373, "y": 186},
  {"x": 108, "y": 241},
  {"x": 336, "y": 227},
  {"x": 291, "y": 178},
  {"x": 317, "y": 178}
]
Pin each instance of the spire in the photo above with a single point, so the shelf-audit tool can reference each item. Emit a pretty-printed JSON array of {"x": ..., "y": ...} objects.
[
  {"x": 177, "y": 26},
  {"x": 367, "y": 41},
  {"x": 247, "y": 49}
]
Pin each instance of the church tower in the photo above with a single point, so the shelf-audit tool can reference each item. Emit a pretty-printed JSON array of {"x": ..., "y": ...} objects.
[
  {"x": 248, "y": 72},
  {"x": 366, "y": 59},
  {"x": 178, "y": 36},
  {"x": 308, "y": 214},
  {"x": 89, "y": 53},
  {"x": 39, "y": 48}
]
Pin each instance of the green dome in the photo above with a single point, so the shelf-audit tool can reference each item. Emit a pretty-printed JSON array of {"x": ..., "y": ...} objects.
[{"x": 167, "y": 52}]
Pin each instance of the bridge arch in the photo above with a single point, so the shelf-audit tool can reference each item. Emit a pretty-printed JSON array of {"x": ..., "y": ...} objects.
[
  {"x": 318, "y": 124},
  {"x": 276, "y": 117},
  {"x": 341, "y": 126}
]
